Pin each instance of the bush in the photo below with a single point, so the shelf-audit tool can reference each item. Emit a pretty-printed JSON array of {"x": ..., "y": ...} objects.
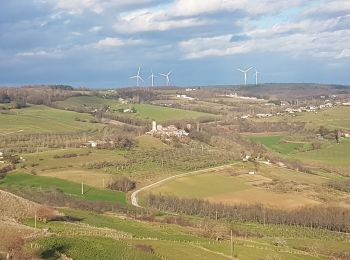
[{"x": 123, "y": 184}]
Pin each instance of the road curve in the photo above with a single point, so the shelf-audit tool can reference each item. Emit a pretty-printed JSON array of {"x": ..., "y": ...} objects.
[{"x": 134, "y": 200}]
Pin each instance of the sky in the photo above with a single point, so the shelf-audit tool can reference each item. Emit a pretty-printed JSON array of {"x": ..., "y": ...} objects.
[{"x": 102, "y": 43}]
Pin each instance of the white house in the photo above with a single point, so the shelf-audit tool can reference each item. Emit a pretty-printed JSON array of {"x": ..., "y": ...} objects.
[{"x": 93, "y": 144}]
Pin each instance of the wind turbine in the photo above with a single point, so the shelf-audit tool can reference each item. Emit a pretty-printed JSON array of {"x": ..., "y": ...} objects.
[
  {"x": 152, "y": 78},
  {"x": 256, "y": 76},
  {"x": 166, "y": 77},
  {"x": 245, "y": 74},
  {"x": 138, "y": 77}
]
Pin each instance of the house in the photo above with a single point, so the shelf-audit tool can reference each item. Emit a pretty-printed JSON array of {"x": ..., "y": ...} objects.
[
  {"x": 246, "y": 158},
  {"x": 263, "y": 115},
  {"x": 184, "y": 97},
  {"x": 92, "y": 144},
  {"x": 171, "y": 130}
]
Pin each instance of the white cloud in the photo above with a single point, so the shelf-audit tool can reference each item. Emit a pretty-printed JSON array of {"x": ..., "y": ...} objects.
[
  {"x": 79, "y": 6},
  {"x": 40, "y": 54},
  {"x": 329, "y": 7},
  {"x": 110, "y": 42},
  {"x": 212, "y": 46},
  {"x": 195, "y": 7},
  {"x": 344, "y": 54},
  {"x": 148, "y": 20},
  {"x": 95, "y": 29}
]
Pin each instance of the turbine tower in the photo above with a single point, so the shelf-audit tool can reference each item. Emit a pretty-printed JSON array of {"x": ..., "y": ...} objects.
[
  {"x": 138, "y": 77},
  {"x": 152, "y": 78},
  {"x": 245, "y": 74},
  {"x": 257, "y": 77},
  {"x": 166, "y": 77}
]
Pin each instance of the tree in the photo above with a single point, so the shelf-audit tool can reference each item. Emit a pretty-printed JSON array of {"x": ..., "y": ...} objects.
[{"x": 123, "y": 184}]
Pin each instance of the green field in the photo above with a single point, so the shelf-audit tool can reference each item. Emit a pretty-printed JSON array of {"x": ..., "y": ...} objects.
[
  {"x": 41, "y": 119},
  {"x": 164, "y": 114},
  {"x": 278, "y": 143},
  {"x": 96, "y": 234},
  {"x": 143, "y": 111},
  {"x": 333, "y": 118},
  {"x": 69, "y": 188},
  {"x": 330, "y": 154},
  {"x": 270, "y": 186},
  {"x": 90, "y": 248},
  {"x": 85, "y": 101}
]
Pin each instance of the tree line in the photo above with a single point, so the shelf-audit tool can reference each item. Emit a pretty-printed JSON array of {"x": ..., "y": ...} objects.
[{"x": 324, "y": 217}]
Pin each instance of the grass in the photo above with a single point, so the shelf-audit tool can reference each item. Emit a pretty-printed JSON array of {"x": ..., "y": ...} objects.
[
  {"x": 333, "y": 118},
  {"x": 337, "y": 117},
  {"x": 165, "y": 114},
  {"x": 69, "y": 188},
  {"x": 225, "y": 187},
  {"x": 46, "y": 161},
  {"x": 89, "y": 248},
  {"x": 42, "y": 119},
  {"x": 277, "y": 143},
  {"x": 135, "y": 228},
  {"x": 96, "y": 232},
  {"x": 147, "y": 142},
  {"x": 143, "y": 111},
  {"x": 331, "y": 154}
]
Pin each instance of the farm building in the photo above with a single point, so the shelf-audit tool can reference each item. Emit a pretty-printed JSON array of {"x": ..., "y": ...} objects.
[{"x": 168, "y": 131}]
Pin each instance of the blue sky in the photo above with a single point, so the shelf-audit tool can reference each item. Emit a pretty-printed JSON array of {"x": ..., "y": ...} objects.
[{"x": 101, "y": 43}]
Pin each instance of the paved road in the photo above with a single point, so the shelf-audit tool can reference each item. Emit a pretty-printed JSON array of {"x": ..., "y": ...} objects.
[{"x": 134, "y": 200}]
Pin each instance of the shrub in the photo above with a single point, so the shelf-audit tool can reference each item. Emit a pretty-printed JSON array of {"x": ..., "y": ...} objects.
[{"x": 123, "y": 184}]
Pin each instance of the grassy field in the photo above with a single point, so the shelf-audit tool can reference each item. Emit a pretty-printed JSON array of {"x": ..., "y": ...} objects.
[
  {"x": 69, "y": 188},
  {"x": 144, "y": 111},
  {"x": 85, "y": 101},
  {"x": 271, "y": 186},
  {"x": 333, "y": 118},
  {"x": 164, "y": 114},
  {"x": 122, "y": 239},
  {"x": 41, "y": 119},
  {"x": 147, "y": 142},
  {"x": 332, "y": 153},
  {"x": 337, "y": 117},
  {"x": 90, "y": 248},
  {"x": 278, "y": 143}
]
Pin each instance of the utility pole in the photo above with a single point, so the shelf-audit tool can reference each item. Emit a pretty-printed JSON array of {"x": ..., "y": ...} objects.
[
  {"x": 82, "y": 188},
  {"x": 35, "y": 220},
  {"x": 232, "y": 246}
]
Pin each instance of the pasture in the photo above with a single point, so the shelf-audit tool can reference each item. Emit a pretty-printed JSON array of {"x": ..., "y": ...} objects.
[
  {"x": 332, "y": 118},
  {"x": 84, "y": 101},
  {"x": 94, "y": 232},
  {"x": 18, "y": 180},
  {"x": 165, "y": 114},
  {"x": 278, "y": 143},
  {"x": 42, "y": 119},
  {"x": 143, "y": 111},
  {"x": 271, "y": 186}
]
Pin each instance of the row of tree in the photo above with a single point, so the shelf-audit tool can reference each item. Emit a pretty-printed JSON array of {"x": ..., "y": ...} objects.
[{"x": 332, "y": 218}]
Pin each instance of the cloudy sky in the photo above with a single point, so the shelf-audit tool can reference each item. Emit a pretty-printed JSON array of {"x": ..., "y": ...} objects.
[{"x": 102, "y": 43}]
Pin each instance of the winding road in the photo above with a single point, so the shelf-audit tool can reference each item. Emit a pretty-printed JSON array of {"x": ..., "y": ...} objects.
[{"x": 134, "y": 200}]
